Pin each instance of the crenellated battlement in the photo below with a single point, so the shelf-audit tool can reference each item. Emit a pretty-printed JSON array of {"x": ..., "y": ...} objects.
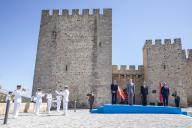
[
  {"x": 124, "y": 69},
  {"x": 158, "y": 42},
  {"x": 69, "y": 39},
  {"x": 77, "y": 12},
  {"x": 189, "y": 54},
  {"x": 183, "y": 53}
]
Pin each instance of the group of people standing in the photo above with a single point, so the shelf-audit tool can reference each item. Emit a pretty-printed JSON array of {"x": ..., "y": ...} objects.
[
  {"x": 64, "y": 95},
  {"x": 37, "y": 99},
  {"x": 130, "y": 93}
]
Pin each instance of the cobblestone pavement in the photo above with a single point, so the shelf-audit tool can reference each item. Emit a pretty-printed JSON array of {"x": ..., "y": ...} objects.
[{"x": 83, "y": 119}]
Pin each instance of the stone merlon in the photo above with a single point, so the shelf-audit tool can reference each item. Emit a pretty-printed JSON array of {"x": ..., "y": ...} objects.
[
  {"x": 158, "y": 42},
  {"x": 189, "y": 53},
  {"x": 123, "y": 68},
  {"x": 85, "y": 12}
]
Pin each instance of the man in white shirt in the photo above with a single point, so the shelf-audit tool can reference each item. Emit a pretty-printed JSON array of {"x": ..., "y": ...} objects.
[
  {"x": 17, "y": 100},
  {"x": 65, "y": 99},
  {"x": 38, "y": 96},
  {"x": 49, "y": 100},
  {"x": 59, "y": 98}
]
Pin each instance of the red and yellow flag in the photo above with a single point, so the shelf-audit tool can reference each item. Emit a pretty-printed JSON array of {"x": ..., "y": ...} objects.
[{"x": 120, "y": 93}]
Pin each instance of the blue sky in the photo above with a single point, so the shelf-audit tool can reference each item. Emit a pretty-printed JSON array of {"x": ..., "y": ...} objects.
[{"x": 134, "y": 21}]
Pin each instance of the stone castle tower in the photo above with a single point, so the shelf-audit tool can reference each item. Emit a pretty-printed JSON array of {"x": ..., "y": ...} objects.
[
  {"x": 168, "y": 62},
  {"x": 75, "y": 50},
  {"x": 162, "y": 62},
  {"x": 123, "y": 75}
]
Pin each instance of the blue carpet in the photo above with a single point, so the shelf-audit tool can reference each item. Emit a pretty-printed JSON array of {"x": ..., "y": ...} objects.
[{"x": 137, "y": 109}]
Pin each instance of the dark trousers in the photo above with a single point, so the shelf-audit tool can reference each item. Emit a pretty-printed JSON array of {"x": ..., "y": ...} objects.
[
  {"x": 144, "y": 100},
  {"x": 177, "y": 103},
  {"x": 165, "y": 100},
  {"x": 114, "y": 98},
  {"x": 91, "y": 106}
]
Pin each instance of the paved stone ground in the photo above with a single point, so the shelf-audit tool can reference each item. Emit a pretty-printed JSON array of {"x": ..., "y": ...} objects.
[
  {"x": 189, "y": 110},
  {"x": 83, "y": 119}
]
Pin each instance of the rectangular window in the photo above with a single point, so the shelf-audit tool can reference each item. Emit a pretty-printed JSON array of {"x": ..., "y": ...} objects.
[{"x": 66, "y": 68}]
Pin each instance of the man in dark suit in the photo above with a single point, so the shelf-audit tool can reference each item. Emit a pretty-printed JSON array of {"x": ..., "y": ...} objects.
[
  {"x": 165, "y": 94},
  {"x": 114, "y": 88},
  {"x": 144, "y": 93}
]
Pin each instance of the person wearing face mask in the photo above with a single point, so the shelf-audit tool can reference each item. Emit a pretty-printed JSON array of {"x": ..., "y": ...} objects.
[
  {"x": 144, "y": 93},
  {"x": 114, "y": 88},
  {"x": 59, "y": 98},
  {"x": 165, "y": 94},
  {"x": 130, "y": 91},
  {"x": 49, "y": 101},
  {"x": 17, "y": 100},
  {"x": 39, "y": 95},
  {"x": 65, "y": 95},
  {"x": 90, "y": 100}
]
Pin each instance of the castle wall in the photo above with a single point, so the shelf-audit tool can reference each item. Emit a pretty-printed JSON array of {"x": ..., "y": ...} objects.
[
  {"x": 188, "y": 75},
  {"x": 165, "y": 62},
  {"x": 123, "y": 75},
  {"x": 75, "y": 50}
]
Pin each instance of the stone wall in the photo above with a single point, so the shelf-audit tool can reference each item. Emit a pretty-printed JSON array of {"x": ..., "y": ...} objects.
[
  {"x": 166, "y": 62},
  {"x": 3, "y": 94},
  {"x": 25, "y": 107},
  {"x": 188, "y": 76},
  {"x": 75, "y": 50},
  {"x": 123, "y": 75}
]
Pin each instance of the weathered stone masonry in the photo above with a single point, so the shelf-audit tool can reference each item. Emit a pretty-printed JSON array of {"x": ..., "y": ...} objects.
[
  {"x": 75, "y": 50},
  {"x": 168, "y": 62},
  {"x": 163, "y": 62}
]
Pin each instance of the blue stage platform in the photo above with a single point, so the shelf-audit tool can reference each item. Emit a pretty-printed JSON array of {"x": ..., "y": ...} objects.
[{"x": 137, "y": 109}]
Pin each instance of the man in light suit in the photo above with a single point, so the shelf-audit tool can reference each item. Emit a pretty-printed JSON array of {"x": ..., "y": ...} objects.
[{"x": 130, "y": 91}]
